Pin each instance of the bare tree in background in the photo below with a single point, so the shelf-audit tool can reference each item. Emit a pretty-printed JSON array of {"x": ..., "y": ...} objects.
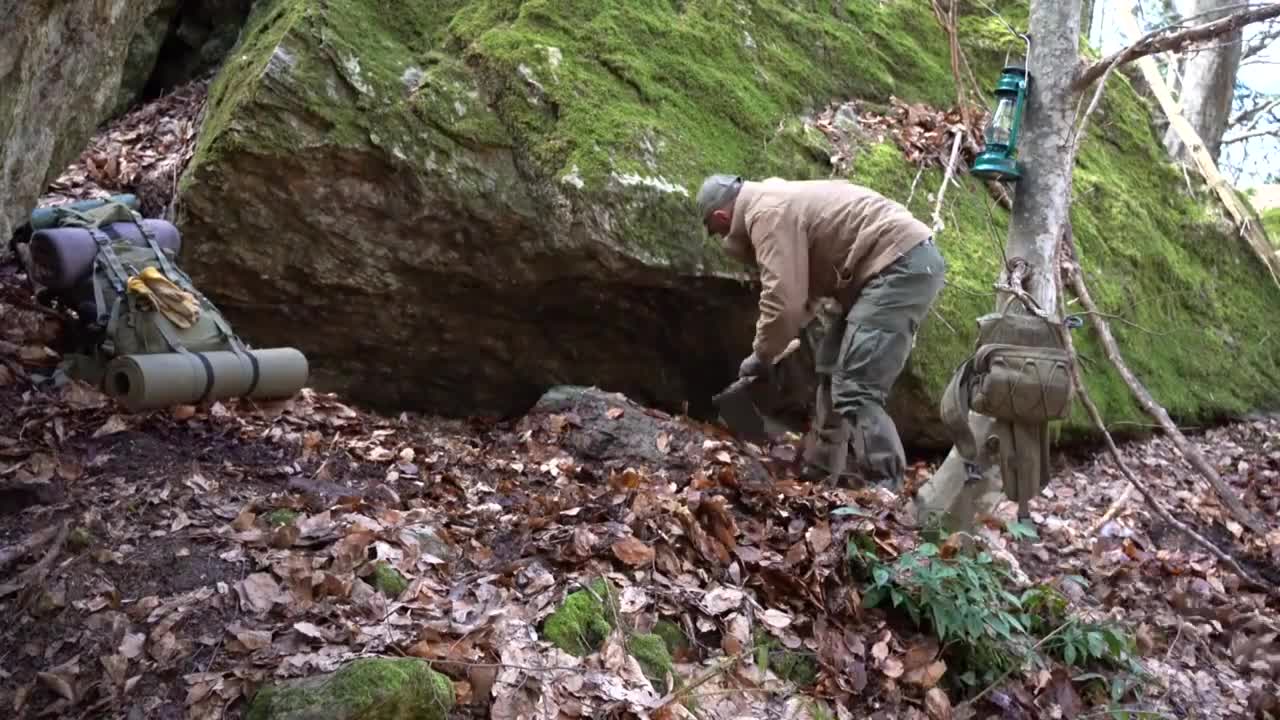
[
  {"x": 1208, "y": 82},
  {"x": 1240, "y": 125}
]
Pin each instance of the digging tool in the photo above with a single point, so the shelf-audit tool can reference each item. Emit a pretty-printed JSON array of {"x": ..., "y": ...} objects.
[{"x": 737, "y": 408}]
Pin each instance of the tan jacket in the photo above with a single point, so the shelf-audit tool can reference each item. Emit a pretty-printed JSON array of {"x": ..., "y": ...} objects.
[{"x": 813, "y": 239}]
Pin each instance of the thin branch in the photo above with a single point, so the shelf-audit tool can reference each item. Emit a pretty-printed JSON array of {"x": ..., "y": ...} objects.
[
  {"x": 1251, "y": 134},
  {"x": 1162, "y": 40},
  {"x": 11, "y": 554},
  {"x": 1154, "y": 409},
  {"x": 946, "y": 179},
  {"x": 1252, "y": 115},
  {"x": 1261, "y": 42},
  {"x": 1071, "y": 269},
  {"x": 1111, "y": 511}
]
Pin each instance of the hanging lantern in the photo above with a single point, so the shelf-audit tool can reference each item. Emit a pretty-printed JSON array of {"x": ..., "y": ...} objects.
[{"x": 999, "y": 160}]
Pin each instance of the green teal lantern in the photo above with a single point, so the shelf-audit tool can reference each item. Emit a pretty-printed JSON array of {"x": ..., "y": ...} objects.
[{"x": 999, "y": 160}]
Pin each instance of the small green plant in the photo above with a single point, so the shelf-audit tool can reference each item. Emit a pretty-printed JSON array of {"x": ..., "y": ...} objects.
[
  {"x": 986, "y": 629},
  {"x": 1072, "y": 640}
]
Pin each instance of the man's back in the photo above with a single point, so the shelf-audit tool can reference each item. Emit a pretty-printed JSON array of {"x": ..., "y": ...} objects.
[{"x": 850, "y": 229}]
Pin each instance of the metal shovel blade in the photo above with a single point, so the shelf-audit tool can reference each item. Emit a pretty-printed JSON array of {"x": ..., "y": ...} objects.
[{"x": 739, "y": 412}]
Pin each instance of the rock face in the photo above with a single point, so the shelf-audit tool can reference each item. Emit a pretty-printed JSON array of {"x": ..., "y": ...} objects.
[
  {"x": 178, "y": 42},
  {"x": 60, "y": 67},
  {"x": 453, "y": 206}
]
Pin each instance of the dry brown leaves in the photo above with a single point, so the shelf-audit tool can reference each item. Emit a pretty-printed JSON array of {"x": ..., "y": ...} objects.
[
  {"x": 142, "y": 152},
  {"x": 924, "y": 134}
]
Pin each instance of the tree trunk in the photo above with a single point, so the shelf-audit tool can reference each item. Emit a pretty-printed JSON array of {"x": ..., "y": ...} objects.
[
  {"x": 1041, "y": 205},
  {"x": 1042, "y": 197},
  {"x": 1208, "y": 83}
]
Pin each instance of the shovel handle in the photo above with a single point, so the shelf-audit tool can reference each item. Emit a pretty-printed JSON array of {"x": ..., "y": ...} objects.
[{"x": 744, "y": 381}]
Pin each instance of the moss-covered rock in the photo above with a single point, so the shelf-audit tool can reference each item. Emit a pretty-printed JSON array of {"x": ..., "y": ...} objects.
[
  {"x": 382, "y": 688},
  {"x": 280, "y": 516},
  {"x": 650, "y": 650},
  {"x": 504, "y": 186},
  {"x": 671, "y": 634},
  {"x": 581, "y": 625},
  {"x": 1271, "y": 221},
  {"x": 59, "y": 69},
  {"x": 388, "y": 580}
]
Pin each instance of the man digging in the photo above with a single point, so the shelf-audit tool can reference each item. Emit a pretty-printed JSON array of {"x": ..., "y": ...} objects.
[{"x": 816, "y": 239}]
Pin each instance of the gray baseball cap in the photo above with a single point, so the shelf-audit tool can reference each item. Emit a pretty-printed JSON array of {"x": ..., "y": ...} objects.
[{"x": 716, "y": 190}]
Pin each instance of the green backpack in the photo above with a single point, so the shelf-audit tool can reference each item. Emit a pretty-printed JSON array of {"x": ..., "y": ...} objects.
[{"x": 125, "y": 324}]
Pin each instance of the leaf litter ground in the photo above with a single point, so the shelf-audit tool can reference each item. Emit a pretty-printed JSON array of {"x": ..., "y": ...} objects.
[
  {"x": 211, "y": 549},
  {"x": 191, "y": 555}
]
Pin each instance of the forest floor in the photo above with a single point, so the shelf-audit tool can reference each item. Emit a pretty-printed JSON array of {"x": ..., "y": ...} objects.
[
  {"x": 166, "y": 564},
  {"x": 190, "y": 555}
]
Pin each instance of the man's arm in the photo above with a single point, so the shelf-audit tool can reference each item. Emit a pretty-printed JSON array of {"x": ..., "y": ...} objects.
[{"x": 782, "y": 251}]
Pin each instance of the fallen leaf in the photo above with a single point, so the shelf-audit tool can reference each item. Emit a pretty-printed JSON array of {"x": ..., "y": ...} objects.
[
  {"x": 775, "y": 619},
  {"x": 721, "y": 600},
  {"x": 113, "y": 425},
  {"x": 131, "y": 646},
  {"x": 252, "y": 639},
  {"x": 819, "y": 537},
  {"x": 614, "y": 413},
  {"x": 632, "y": 551},
  {"x": 937, "y": 705},
  {"x": 259, "y": 592},
  {"x": 880, "y": 650},
  {"x": 663, "y": 441},
  {"x": 892, "y": 668}
]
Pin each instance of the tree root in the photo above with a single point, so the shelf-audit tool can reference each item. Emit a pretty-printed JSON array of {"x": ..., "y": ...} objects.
[
  {"x": 11, "y": 554},
  {"x": 37, "y": 573}
]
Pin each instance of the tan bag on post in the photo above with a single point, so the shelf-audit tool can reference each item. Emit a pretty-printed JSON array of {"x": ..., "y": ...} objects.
[{"x": 1019, "y": 374}]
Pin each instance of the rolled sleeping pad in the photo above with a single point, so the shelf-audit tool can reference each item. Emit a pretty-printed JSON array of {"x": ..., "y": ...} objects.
[
  {"x": 151, "y": 381},
  {"x": 47, "y": 217},
  {"x": 62, "y": 258}
]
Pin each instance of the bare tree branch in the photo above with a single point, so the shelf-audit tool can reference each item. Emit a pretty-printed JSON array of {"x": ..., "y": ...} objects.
[
  {"x": 1251, "y": 134},
  {"x": 1252, "y": 114},
  {"x": 1261, "y": 42},
  {"x": 1163, "y": 40}
]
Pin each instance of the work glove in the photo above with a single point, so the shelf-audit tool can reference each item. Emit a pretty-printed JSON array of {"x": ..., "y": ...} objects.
[{"x": 754, "y": 367}]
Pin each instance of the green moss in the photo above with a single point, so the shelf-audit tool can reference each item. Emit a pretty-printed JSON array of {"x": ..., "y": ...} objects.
[
  {"x": 1180, "y": 288},
  {"x": 650, "y": 650},
  {"x": 673, "y": 636},
  {"x": 795, "y": 667},
  {"x": 581, "y": 625},
  {"x": 1271, "y": 221},
  {"x": 388, "y": 580},
  {"x": 690, "y": 82},
  {"x": 79, "y": 538},
  {"x": 280, "y": 516},
  {"x": 385, "y": 688}
]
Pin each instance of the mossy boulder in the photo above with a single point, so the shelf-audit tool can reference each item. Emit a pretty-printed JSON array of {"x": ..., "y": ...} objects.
[
  {"x": 453, "y": 206},
  {"x": 650, "y": 650},
  {"x": 60, "y": 65},
  {"x": 585, "y": 619},
  {"x": 381, "y": 688},
  {"x": 388, "y": 580}
]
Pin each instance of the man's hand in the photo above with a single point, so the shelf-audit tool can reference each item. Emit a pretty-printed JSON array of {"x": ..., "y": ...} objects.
[{"x": 753, "y": 366}]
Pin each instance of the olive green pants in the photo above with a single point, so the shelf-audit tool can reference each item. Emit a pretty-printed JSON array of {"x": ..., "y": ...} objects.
[{"x": 859, "y": 358}]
